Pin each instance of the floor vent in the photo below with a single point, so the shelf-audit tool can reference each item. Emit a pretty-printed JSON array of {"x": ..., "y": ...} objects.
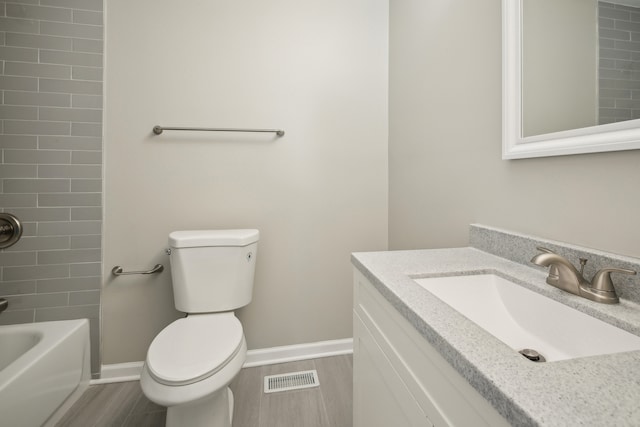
[{"x": 291, "y": 381}]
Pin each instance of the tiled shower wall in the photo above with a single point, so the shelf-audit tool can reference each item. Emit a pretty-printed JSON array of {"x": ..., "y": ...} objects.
[
  {"x": 619, "y": 69},
  {"x": 51, "y": 172}
]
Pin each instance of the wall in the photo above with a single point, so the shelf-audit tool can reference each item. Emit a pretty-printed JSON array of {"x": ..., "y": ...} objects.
[
  {"x": 51, "y": 173},
  {"x": 560, "y": 57},
  {"x": 619, "y": 33},
  {"x": 316, "y": 69},
  {"x": 445, "y": 167}
]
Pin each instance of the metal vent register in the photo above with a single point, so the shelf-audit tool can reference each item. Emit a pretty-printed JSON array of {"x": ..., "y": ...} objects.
[{"x": 291, "y": 381}]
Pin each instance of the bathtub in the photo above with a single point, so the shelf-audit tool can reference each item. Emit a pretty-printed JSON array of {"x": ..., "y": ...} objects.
[{"x": 44, "y": 367}]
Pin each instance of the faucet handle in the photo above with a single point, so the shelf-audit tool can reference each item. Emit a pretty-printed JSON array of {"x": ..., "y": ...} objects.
[{"x": 602, "y": 279}]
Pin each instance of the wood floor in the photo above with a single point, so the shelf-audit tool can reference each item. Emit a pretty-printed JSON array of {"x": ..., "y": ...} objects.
[{"x": 330, "y": 405}]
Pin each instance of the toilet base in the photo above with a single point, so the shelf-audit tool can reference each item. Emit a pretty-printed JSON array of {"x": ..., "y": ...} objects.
[{"x": 215, "y": 410}]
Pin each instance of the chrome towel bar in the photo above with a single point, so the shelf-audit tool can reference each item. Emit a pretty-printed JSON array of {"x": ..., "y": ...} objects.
[
  {"x": 159, "y": 129},
  {"x": 118, "y": 271}
]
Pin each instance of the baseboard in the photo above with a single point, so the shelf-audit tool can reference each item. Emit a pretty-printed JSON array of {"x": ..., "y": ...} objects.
[
  {"x": 121, "y": 372},
  {"x": 291, "y": 353}
]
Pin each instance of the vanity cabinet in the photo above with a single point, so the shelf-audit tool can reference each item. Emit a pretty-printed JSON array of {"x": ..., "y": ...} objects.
[{"x": 400, "y": 379}]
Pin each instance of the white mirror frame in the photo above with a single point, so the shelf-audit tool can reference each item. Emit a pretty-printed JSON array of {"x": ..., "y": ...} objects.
[{"x": 609, "y": 137}]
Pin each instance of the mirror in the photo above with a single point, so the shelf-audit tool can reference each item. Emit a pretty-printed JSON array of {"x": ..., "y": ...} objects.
[{"x": 571, "y": 77}]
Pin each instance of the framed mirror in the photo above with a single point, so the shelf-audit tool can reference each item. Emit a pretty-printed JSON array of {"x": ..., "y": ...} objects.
[{"x": 570, "y": 77}]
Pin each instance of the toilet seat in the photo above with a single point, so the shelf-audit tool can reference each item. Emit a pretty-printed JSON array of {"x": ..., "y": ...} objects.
[{"x": 194, "y": 348}]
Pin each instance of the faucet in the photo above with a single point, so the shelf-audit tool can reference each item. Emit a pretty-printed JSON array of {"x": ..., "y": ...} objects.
[
  {"x": 563, "y": 275},
  {"x": 3, "y": 304}
]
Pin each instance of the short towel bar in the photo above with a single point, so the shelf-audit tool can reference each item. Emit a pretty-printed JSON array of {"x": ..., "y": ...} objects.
[{"x": 118, "y": 271}]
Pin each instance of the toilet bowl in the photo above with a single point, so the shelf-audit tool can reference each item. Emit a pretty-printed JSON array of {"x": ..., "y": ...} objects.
[{"x": 191, "y": 362}]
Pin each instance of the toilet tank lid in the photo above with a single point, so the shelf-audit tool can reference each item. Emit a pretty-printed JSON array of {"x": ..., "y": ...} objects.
[{"x": 201, "y": 238}]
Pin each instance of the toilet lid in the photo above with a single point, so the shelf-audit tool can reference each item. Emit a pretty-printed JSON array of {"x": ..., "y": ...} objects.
[{"x": 194, "y": 347}]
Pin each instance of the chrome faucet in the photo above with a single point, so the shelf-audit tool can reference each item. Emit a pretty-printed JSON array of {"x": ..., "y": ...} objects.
[{"x": 563, "y": 275}]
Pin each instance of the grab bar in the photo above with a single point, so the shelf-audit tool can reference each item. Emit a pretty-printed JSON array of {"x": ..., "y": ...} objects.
[
  {"x": 159, "y": 129},
  {"x": 118, "y": 271}
]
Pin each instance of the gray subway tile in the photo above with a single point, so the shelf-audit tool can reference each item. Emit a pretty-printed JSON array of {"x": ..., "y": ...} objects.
[
  {"x": 18, "y": 200},
  {"x": 68, "y": 284},
  {"x": 86, "y": 214},
  {"x": 18, "y": 112},
  {"x": 18, "y": 171},
  {"x": 15, "y": 25},
  {"x": 627, "y": 45},
  {"x": 68, "y": 313},
  {"x": 87, "y": 73},
  {"x": 18, "y": 54},
  {"x": 20, "y": 287},
  {"x": 38, "y": 41},
  {"x": 35, "y": 272},
  {"x": 28, "y": 228},
  {"x": 37, "y": 70},
  {"x": 605, "y": 12},
  {"x": 86, "y": 129},
  {"x": 70, "y": 58},
  {"x": 37, "y": 98},
  {"x": 40, "y": 243},
  {"x": 627, "y": 25},
  {"x": 36, "y": 185},
  {"x": 614, "y": 34},
  {"x": 69, "y": 199},
  {"x": 70, "y": 171},
  {"x": 75, "y": 4},
  {"x": 19, "y": 83},
  {"x": 84, "y": 298},
  {"x": 17, "y": 258},
  {"x": 71, "y": 86},
  {"x": 27, "y": 142},
  {"x": 86, "y": 101},
  {"x": 36, "y": 127},
  {"x": 41, "y": 157},
  {"x": 71, "y": 228},
  {"x": 42, "y": 214},
  {"x": 38, "y": 12},
  {"x": 86, "y": 157},
  {"x": 86, "y": 185},
  {"x": 71, "y": 30},
  {"x": 70, "y": 143},
  {"x": 70, "y": 114},
  {"x": 68, "y": 256},
  {"x": 87, "y": 45},
  {"x": 88, "y": 17},
  {"x": 86, "y": 269},
  {"x": 11, "y": 317},
  {"x": 38, "y": 300},
  {"x": 86, "y": 242}
]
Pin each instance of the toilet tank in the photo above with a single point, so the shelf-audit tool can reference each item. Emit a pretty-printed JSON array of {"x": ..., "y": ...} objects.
[{"x": 212, "y": 270}]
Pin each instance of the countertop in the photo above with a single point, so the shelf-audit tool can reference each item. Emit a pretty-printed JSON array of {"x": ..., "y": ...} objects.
[{"x": 590, "y": 391}]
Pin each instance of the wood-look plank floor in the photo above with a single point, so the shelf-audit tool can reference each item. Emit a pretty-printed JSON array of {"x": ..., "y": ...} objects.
[{"x": 330, "y": 405}]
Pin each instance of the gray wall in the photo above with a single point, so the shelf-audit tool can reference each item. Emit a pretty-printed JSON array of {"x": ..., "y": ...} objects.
[
  {"x": 51, "y": 173},
  {"x": 619, "y": 65},
  {"x": 318, "y": 70},
  {"x": 445, "y": 166}
]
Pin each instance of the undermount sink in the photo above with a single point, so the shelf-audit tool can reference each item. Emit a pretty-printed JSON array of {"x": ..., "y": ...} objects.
[{"x": 524, "y": 319}]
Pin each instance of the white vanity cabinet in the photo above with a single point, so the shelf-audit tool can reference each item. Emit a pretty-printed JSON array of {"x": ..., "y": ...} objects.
[{"x": 400, "y": 379}]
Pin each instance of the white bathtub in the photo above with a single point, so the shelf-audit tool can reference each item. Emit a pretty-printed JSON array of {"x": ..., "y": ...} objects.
[{"x": 43, "y": 368}]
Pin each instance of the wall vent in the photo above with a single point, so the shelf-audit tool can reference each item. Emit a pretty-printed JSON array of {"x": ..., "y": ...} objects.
[{"x": 291, "y": 381}]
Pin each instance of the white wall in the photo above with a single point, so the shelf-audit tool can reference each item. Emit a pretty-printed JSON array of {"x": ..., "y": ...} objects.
[
  {"x": 445, "y": 167},
  {"x": 316, "y": 69}
]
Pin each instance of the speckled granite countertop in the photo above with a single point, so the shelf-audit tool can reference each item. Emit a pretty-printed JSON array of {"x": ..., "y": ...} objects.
[{"x": 591, "y": 391}]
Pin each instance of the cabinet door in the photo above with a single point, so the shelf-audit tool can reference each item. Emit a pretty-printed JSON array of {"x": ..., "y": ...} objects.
[{"x": 381, "y": 398}]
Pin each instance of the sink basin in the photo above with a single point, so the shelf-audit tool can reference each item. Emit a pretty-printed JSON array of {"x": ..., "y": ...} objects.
[{"x": 524, "y": 319}]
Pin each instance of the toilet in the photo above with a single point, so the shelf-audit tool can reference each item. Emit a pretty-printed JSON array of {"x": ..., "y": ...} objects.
[{"x": 191, "y": 362}]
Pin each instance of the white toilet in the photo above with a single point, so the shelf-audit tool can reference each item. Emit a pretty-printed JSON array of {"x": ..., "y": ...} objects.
[{"x": 192, "y": 361}]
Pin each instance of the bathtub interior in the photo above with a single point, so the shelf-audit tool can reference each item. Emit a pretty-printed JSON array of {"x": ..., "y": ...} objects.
[{"x": 51, "y": 369}]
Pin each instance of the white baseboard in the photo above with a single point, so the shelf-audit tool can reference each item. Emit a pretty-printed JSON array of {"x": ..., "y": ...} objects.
[{"x": 121, "y": 372}]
